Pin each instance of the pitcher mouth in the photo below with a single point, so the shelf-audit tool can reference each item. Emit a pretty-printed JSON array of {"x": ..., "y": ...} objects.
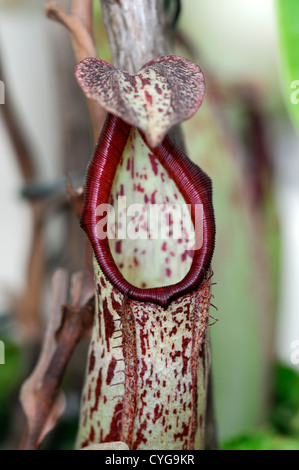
[{"x": 194, "y": 185}]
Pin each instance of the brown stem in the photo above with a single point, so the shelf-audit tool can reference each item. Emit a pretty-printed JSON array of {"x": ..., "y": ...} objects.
[
  {"x": 18, "y": 140},
  {"x": 80, "y": 27},
  {"x": 83, "y": 11},
  {"x": 41, "y": 400},
  {"x": 135, "y": 31},
  {"x": 40, "y": 396},
  {"x": 27, "y": 305},
  {"x": 83, "y": 42}
]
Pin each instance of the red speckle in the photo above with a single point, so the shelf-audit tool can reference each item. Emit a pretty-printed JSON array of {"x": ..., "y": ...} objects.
[
  {"x": 164, "y": 246},
  {"x": 158, "y": 89},
  {"x": 97, "y": 393},
  {"x": 140, "y": 188},
  {"x": 116, "y": 305},
  {"x": 143, "y": 368},
  {"x": 91, "y": 434},
  {"x": 168, "y": 272},
  {"x": 109, "y": 323},
  {"x": 115, "y": 428},
  {"x": 182, "y": 434},
  {"x": 153, "y": 197},
  {"x": 140, "y": 436},
  {"x": 118, "y": 246},
  {"x": 173, "y": 331},
  {"x": 92, "y": 361},
  {"x": 145, "y": 81},
  {"x": 187, "y": 253},
  {"x": 175, "y": 355},
  {"x": 169, "y": 219},
  {"x": 158, "y": 412},
  {"x": 148, "y": 98},
  {"x": 185, "y": 342},
  {"x": 111, "y": 369},
  {"x": 154, "y": 163},
  {"x": 84, "y": 444}
]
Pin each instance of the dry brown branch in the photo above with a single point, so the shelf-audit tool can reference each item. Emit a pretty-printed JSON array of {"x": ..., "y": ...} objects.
[
  {"x": 41, "y": 399},
  {"x": 85, "y": 284},
  {"x": 75, "y": 196},
  {"x": 80, "y": 26},
  {"x": 83, "y": 11},
  {"x": 22, "y": 151},
  {"x": 83, "y": 42},
  {"x": 33, "y": 384},
  {"x": 27, "y": 305}
]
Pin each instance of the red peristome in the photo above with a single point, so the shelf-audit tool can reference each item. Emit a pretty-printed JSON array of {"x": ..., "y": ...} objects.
[{"x": 194, "y": 185}]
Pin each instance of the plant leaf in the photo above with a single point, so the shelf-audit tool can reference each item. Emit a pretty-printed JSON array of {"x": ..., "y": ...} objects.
[{"x": 165, "y": 92}]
